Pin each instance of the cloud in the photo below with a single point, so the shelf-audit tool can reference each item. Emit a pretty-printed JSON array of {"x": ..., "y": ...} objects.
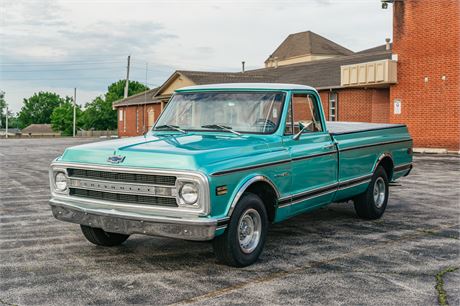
[
  {"x": 84, "y": 44},
  {"x": 40, "y": 47}
]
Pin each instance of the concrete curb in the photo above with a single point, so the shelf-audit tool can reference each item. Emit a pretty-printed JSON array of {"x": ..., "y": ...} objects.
[{"x": 434, "y": 151}]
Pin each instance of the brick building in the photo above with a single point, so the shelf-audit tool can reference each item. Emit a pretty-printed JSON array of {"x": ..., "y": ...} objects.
[
  {"x": 426, "y": 38},
  {"x": 419, "y": 73}
]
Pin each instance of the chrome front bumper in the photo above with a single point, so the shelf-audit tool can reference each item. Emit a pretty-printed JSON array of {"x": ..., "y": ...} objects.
[{"x": 116, "y": 221}]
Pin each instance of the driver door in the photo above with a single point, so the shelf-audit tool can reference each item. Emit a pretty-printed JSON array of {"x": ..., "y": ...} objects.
[{"x": 313, "y": 154}]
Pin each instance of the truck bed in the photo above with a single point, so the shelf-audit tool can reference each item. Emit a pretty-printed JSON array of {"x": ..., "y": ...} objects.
[{"x": 343, "y": 127}]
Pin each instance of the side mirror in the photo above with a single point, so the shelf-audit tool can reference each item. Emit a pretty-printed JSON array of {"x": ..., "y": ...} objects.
[{"x": 301, "y": 129}]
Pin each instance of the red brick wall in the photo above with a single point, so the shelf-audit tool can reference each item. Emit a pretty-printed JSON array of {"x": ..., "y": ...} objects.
[
  {"x": 426, "y": 38},
  {"x": 136, "y": 127},
  {"x": 380, "y": 105},
  {"x": 359, "y": 105},
  {"x": 324, "y": 95}
]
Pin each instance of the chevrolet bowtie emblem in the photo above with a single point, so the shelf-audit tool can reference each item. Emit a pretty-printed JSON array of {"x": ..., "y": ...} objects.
[{"x": 116, "y": 159}]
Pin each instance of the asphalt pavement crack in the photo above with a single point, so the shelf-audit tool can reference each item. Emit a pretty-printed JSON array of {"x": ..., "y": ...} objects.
[{"x": 442, "y": 294}]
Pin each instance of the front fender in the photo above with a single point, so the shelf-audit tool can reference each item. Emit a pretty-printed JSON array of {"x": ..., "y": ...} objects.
[{"x": 243, "y": 185}]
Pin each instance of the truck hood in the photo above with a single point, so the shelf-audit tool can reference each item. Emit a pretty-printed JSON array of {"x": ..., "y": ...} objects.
[{"x": 168, "y": 151}]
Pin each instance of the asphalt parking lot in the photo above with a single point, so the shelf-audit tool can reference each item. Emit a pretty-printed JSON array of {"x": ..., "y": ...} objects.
[{"x": 328, "y": 257}]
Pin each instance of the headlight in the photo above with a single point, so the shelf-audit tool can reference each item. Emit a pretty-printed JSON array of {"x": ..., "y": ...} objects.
[
  {"x": 60, "y": 181},
  {"x": 189, "y": 193}
]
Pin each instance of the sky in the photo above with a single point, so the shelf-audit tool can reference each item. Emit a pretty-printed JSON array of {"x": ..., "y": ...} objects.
[{"x": 51, "y": 45}]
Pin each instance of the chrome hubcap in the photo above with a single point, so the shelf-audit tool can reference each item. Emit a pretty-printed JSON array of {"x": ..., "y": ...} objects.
[
  {"x": 379, "y": 192},
  {"x": 249, "y": 230}
]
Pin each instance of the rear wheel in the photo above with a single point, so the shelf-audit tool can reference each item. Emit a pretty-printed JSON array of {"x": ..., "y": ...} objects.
[
  {"x": 244, "y": 237},
  {"x": 100, "y": 237},
  {"x": 372, "y": 203}
]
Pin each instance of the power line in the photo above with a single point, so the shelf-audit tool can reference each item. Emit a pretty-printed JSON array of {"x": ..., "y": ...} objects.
[
  {"x": 61, "y": 79},
  {"x": 64, "y": 63},
  {"x": 70, "y": 79},
  {"x": 70, "y": 69}
]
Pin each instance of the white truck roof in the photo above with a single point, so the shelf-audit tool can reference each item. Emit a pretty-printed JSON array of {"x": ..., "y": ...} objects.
[{"x": 269, "y": 86}]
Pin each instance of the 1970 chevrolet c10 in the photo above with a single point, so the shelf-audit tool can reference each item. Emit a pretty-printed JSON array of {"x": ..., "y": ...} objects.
[{"x": 222, "y": 163}]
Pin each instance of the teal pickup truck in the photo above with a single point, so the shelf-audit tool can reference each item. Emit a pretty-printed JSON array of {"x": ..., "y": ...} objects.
[{"x": 222, "y": 163}]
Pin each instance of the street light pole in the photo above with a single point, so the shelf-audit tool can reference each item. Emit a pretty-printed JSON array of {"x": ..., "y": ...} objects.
[{"x": 74, "y": 110}]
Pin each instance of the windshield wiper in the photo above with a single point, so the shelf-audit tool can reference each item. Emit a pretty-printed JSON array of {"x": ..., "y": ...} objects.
[
  {"x": 171, "y": 127},
  {"x": 222, "y": 127}
]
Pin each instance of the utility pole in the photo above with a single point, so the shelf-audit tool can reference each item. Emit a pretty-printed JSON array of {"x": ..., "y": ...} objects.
[
  {"x": 6, "y": 134},
  {"x": 127, "y": 78},
  {"x": 74, "y": 110},
  {"x": 2, "y": 95}
]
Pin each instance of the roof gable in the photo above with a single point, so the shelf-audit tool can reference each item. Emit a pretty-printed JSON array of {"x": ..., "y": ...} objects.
[{"x": 307, "y": 43}]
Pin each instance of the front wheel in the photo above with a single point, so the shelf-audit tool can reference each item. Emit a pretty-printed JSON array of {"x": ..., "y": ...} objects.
[
  {"x": 372, "y": 203},
  {"x": 100, "y": 237},
  {"x": 244, "y": 237}
]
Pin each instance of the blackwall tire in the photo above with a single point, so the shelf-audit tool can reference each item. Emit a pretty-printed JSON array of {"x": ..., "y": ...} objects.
[
  {"x": 372, "y": 203},
  {"x": 100, "y": 237},
  {"x": 245, "y": 235}
]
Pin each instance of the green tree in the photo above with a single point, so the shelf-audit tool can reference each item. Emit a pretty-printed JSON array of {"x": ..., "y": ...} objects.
[
  {"x": 38, "y": 108},
  {"x": 2, "y": 109},
  {"x": 116, "y": 90},
  {"x": 99, "y": 113},
  {"x": 13, "y": 121},
  {"x": 62, "y": 118}
]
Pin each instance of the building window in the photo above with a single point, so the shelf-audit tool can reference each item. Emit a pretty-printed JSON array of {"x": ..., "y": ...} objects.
[
  {"x": 137, "y": 120},
  {"x": 124, "y": 120},
  {"x": 150, "y": 118},
  {"x": 120, "y": 114},
  {"x": 333, "y": 106}
]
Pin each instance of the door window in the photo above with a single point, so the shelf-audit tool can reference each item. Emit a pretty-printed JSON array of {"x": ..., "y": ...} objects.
[{"x": 303, "y": 109}]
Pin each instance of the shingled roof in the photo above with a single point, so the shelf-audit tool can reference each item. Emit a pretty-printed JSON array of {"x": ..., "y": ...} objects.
[
  {"x": 144, "y": 97},
  {"x": 39, "y": 129},
  {"x": 203, "y": 77},
  {"x": 323, "y": 73},
  {"x": 376, "y": 49},
  {"x": 320, "y": 74},
  {"x": 307, "y": 43}
]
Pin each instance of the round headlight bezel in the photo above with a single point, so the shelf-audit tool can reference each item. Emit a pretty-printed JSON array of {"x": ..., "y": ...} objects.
[
  {"x": 60, "y": 181},
  {"x": 189, "y": 193}
]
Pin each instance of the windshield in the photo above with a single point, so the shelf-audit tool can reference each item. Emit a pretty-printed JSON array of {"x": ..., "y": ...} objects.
[{"x": 240, "y": 112}]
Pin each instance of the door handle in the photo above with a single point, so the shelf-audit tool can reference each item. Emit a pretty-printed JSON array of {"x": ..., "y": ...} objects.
[{"x": 329, "y": 146}]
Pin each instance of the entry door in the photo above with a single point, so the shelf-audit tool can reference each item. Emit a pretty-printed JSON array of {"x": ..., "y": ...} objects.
[{"x": 313, "y": 154}]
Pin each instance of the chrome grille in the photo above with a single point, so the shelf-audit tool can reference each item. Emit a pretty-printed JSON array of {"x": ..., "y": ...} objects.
[
  {"x": 122, "y": 177},
  {"x": 123, "y": 187},
  {"x": 123, "y": 198}
]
